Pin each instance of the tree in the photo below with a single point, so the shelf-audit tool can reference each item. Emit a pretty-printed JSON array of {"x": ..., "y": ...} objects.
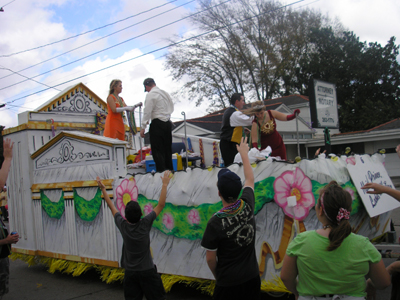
[
  {"x": 251, "y": 46},
  {"x": 367, "y": 77}
]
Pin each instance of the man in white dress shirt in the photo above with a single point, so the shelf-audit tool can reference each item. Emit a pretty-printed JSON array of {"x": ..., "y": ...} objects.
[
  {"x": 232, "y": 130},
  {"x": 158, "y": 108}
]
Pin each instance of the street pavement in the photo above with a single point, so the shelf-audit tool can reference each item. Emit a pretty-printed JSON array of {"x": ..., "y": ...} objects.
[{"x": 36, "y": 283}]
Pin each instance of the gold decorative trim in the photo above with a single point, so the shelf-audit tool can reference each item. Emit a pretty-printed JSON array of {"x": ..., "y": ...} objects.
[
  {"x": 68, "y": 186},
  {"x": 71, "y": 92},
  {"x": 71, "y": 197},
  {"x": 38, "y": 125},
  {"x": 15, "y": 129},
  {"x": 87, "y": 260}
]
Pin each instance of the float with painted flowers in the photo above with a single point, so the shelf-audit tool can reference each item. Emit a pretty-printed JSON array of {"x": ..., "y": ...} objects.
[{"x": 62, "y": 220}]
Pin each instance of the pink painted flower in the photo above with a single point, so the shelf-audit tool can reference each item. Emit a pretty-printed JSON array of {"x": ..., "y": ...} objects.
[
  {"x": 168, "y": 221},
  {"x": 194, "y": 217},
  {"x": 294, "y": 183},
  {"x": 351, "y": 192},
  {"x": 126, "y": 191},
  {"x": 351, "y": 161},
  {"x": 148, "y": 208}
]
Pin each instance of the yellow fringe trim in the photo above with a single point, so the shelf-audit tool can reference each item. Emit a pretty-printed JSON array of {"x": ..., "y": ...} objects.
[
  {"x": 206, "y": 286},
  {"x": 110, "y": 274},
  {"x": 275, "y": 285}
]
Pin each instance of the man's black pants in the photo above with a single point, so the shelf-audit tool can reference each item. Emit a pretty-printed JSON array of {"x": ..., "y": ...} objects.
[
  {"x": 228, "y": 151},
  {"x": 161, "y": 142}
]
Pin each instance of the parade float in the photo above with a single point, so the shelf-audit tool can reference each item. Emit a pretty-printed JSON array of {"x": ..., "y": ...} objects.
[{"x": 58, "y": 210}]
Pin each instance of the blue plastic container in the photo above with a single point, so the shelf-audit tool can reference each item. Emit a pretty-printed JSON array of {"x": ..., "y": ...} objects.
[{"x": 151, "y": 165}]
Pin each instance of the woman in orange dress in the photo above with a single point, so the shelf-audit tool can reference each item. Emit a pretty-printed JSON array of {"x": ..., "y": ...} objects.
[{"x": 115, "y": 127}]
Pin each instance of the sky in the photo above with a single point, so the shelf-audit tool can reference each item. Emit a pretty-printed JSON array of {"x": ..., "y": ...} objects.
[{"x": 143, "y": 27}]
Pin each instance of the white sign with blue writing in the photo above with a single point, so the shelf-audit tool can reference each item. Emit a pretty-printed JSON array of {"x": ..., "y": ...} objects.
[{"x": 367, "y": 170}]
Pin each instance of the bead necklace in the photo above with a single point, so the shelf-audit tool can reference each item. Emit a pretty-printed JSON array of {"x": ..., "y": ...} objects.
[
  {"x": 120, "y": 103},
  {"x": 231, "y": 210},
  {"x": 326, "y": 226},
  {"x": 119, "y": 100}
]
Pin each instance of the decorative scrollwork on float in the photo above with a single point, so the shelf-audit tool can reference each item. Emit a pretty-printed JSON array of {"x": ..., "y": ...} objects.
[
  {"x": 78, "y": 104},
  {"x": 67, "y": 154}
]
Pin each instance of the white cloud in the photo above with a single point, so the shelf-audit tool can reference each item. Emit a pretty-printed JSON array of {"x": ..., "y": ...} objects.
[
  {"x": 133, "y": 7},
  {"x": 371, "y": 20}
]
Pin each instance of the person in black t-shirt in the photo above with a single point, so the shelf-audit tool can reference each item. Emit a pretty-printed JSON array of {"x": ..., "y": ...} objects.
[{"x": 229, "y": 237}]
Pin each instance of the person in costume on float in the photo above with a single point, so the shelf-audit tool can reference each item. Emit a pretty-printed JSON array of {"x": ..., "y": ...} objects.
[
  {"x": 229, "y": 238},
  {"x": 115, "y": 127},
  {"x": 263, "y": 129},
  {"x": 332, "y": 262},
  {"x": 233, "y": 121},
  {"x": 141, "y": 277}
]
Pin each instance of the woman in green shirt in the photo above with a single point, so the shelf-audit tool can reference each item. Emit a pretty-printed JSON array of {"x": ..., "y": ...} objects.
[{"x": 332, "y": 262}]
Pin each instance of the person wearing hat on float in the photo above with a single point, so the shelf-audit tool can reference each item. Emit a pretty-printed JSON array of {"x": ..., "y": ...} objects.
[
  {"x": 141, "y": 277},
  {"x": 263, "y": 129},
  {"x": 232, "y": 125},
  {"x": 158, "y": 108},
  {"x": 229, "y": 237}
]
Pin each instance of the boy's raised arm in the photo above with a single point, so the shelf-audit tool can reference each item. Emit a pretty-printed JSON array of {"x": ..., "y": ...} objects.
[
  {"x": 163, "y": 196},
  {"x": 243, "y": 149},
  {"x": 106, "y": 198}
]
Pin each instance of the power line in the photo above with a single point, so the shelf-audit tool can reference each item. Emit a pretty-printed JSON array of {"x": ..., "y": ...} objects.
[
  {"x": 159, "y": 49},
  {"x": 1, "y": 8},
  {"x": 89, "y": 44},
  {"x": 109, "y": 75},
  {"x": 94, "y": 40},
  {"x": 4, "y": 68},
  {"x": 89, "y": 31},
  {"x": 108, "y": 48}
]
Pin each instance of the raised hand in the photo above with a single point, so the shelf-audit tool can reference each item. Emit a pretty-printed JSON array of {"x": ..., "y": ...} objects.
[
  {"x": 243, "y": 147},
  {"x": 166, "y": 177},
  {"x": 99, "y": 183},
  {"x": 7, "y": 148},
  {"x": 376, "y": 188}
]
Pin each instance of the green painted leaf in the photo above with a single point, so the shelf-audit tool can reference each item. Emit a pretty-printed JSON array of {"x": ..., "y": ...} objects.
[
  {"x": 87, "y": 210},
  {"x": 53, "y": 209}
]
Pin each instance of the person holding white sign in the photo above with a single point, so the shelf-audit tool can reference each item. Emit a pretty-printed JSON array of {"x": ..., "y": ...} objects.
[
  {"x": 381, "y": 189},
  {"x": 332, "y": 262}
]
